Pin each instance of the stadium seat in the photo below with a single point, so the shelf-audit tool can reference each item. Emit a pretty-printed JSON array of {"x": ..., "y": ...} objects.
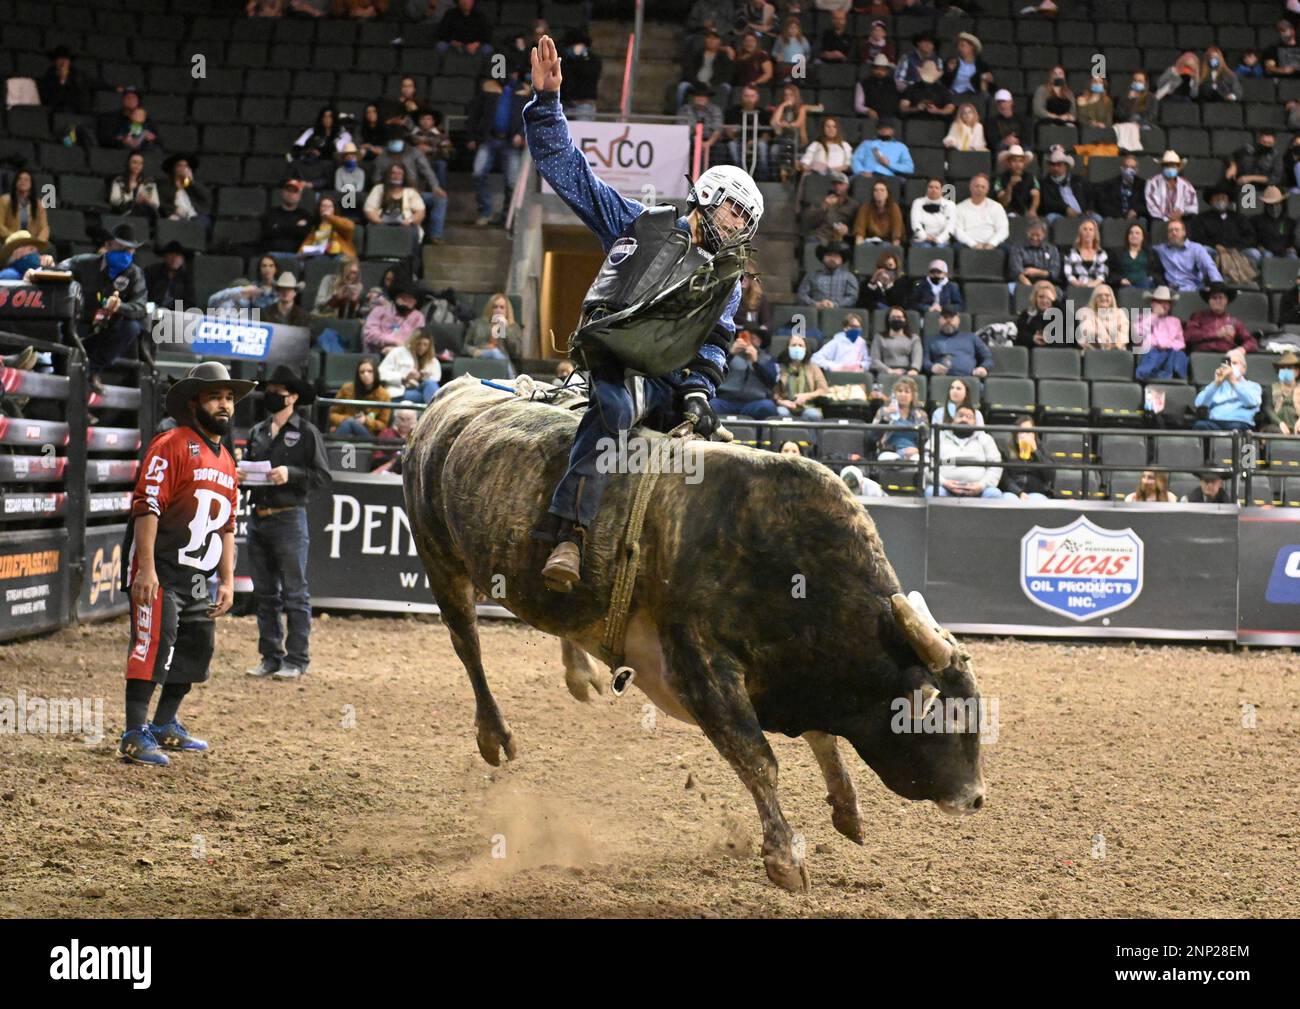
[
  {"x": 1278, "y": 273},
  {"x": 841, "y": 443},
  {"x": 1068, "y": 484},
  {"x": 236, "y": 201},
  {"x": 1128, "y": 450},
  {"x": 83, "y": 192},
  {"x": 1108, "y": 366},
  {"x": 939, "y": 385},
  {"x": 966, "y": 164},
  {"x": 1063, "y": 400},
  {"x": 480, "y": 367},
  {"x": 384, "y": 241},
  {"x": 1202, "y": 366},
  {"x": 847, "y": 378},
  {"x": 1186, "y": 453},
  {"x": 1178, "y": 399},
  {"x": 1283, "y": 454},
  {"x": 1055, "y": 362},
  {"x": 189, "y": 233},
  {"x": 341, "y": 368},
  {"x": 985, "y": 297},
  {"x": 1008, "y": 397},
  {"x": 981, "y": 264},
  {"x": 831, "y": 320},
  {"x": 920, "y": 258},
  {"x": 213, "y": 273},
  {"x": 1290, "y": 497},
  {"x": 1010, "y": 361},
  {"x": 1117, "y": 403}
]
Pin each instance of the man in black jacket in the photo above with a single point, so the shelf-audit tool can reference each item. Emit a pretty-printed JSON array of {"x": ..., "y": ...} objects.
[
  {"x": 1221, "y": 225},
  {"x": 464, "y": 29},
  {"x": 496, "y": 128},
  {"x": 1064, "y": 193},
  {"x": 284, "y": 227},
  {"x": 170, "y": 281},
  {"x": 581, "y": 74},
  {"x": 113, "y": 296},
  {"x": 1274, "y": 230},
  {"x": 1123, "y": 196},
  {"x": 711, "y": 65}
]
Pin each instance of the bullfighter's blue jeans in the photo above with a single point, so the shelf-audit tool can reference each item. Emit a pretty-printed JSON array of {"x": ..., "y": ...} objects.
[
  {"x": 614, "y": 407},
  {"x": 278, "y": 551}
]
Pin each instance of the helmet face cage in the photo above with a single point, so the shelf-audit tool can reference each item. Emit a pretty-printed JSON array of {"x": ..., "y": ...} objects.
[{"x": 716, "y": 193}]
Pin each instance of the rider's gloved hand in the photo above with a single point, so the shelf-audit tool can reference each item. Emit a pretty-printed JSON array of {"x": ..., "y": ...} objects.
[{"x": 696, "y": 410}]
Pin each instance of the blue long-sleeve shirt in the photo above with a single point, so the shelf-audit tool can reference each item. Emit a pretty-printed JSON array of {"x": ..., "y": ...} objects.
[
  {"x": 961, "y": 352},
  {"x": 895, "y": 152},
  {"x": 607, "y": 213},
  {"x": 1227, "y": 401}
]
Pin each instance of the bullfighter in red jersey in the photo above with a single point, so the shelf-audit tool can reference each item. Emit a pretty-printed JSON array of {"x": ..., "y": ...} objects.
[{"x": 182, "y": 532}]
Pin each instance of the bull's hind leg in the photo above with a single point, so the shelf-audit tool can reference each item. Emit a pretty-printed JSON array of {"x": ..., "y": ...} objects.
[
  {"x": 840, "y": 793},
  {"x": 454, "y": 594},
  {"x": 581, "y": 675},
  {"x": 711, "y": 685}
]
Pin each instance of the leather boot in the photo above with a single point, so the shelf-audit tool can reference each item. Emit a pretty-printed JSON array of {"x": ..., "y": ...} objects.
[{"x": 562, "y": 569}]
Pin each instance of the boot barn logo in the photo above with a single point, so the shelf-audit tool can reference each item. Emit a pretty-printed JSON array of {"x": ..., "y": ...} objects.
[
  {"x": 1081, "y": 571},
  {"x": 633, "y": 156}
]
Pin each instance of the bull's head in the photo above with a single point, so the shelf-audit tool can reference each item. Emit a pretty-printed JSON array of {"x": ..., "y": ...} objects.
[{"x": 920, "y": 730}]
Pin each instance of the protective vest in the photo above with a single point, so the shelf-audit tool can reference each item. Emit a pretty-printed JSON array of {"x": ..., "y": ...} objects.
[{"x": 656, "y": 298}]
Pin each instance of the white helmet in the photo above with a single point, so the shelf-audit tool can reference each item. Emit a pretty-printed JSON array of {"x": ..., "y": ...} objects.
[{"x": 719, "y": 185}]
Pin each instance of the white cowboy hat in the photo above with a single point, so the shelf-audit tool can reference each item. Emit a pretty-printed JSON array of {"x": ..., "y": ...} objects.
[
  {"x": 1014, "y": 151},
  {"x": 1171, "y": 157}
]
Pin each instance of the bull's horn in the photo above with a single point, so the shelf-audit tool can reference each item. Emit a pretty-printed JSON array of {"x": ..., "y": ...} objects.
[
  {"x": 928, "y": 696},
  {"x": 934, "y": 651}
]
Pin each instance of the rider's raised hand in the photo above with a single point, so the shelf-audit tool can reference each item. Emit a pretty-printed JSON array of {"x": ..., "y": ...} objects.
[{"x": 546, "y": 65}]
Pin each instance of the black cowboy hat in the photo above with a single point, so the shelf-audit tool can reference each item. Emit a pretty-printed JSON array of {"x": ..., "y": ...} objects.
[
  {"x": 837, "y": 247},
  {"x": 926, "y": 34},
  {"x": 1218, "y": 287},
  {"x": 59, "y": 53},
  {"x": 124, "y": 234},
  {"x": 206, "y": 375},
  {"x": 1217, "y": 189},
  {"x": 173, "y": 246},
  {"x": 169, "y": 163},
  {"x": 291, "y": 380}
]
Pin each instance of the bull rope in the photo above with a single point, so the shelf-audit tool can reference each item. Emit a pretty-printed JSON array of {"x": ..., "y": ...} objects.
[{"x": 625, "y": 574}]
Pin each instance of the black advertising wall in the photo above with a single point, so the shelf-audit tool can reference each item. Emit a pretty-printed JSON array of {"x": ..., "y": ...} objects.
[
  {"x": 33, "y": 582},
  {"x": 101, "y": 591},
  {"x": 1268, "y": 583}
]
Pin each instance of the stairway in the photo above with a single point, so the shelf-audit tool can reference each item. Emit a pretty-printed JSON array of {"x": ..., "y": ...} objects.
[
  {"x": 776, "y": 242},
  {"x": 470, "y": 260},
  {"x": 656, "y": 70}
]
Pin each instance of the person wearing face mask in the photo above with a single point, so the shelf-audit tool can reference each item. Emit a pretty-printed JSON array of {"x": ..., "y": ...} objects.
[
  {"x": 1095, "y": 105},
  {"x": 1054, "y": 102},
  {"x": 896, "y": 350},
  {"x": 1170, "y": 197},
  {"x": 23, "y": 252},
  {"x": 392, "y": 322},
  {"x": 1180, "y": 82},
  {"x": 1137, "y": 105},
  {"x": 801, "y": 382},
  {"x": 935, "y": 292},
  {"x": 350, "y": 177},
  {"x": 277, "y": 523},
  {"x": 1222, "y": 228},
  {"x": 1283, "y": 58},
  {"x": 1274, "y": 230},
  {"x": 1213, "y": 329},
  {"x": 1218, "y": 83},
  {"x": 883, "y": 155},
  {"x": 1257, "y": 163},
  {"x": 847, "y": 350},
  {"x": 934, "y": 216},
  {"x": 951, "y": 352},
  {"x": 1123, "y": 195},
  {"x": 970, "y": 464},
  {"x": 1232, "y": 400},
  {"x": 114, "y": 294},
  {"x": 1282, "y": 407}
]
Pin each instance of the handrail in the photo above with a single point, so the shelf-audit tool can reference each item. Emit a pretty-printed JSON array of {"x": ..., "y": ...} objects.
[
  {"x": 521, "y": 188},
  {"x": 698, "y": 156},
  {"x": 625, "y": 102}
]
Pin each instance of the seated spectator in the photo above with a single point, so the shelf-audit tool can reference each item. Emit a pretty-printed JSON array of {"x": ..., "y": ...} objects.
[
  {"x": 1282, "y": 407},
  {"x": 1225, "y": 231},
  {"x": 896, "y": 351},
  {"x": 1159, "y": 340},
  {"x": 285, "y": 226},
  {"x": 393, "y": 202},
  {"x": 1065, "y": 194},
  {"x": 400, "y": 111},
  {"x": 373, "y": 134},
  {"x": 317, "y": 148},
  {"x": 1053, "y": 100},
  {"x": 883, "y": 155},
  {"x": 876, "y": 43},
  {"x": 1025, "y": 477},
  {"x": 1016, "y": 189},
  {"x": 464, "y": 30},
  {"x": 758, "y": 16},
  {"x": 951, "y": 352},
  {"x": 751, "y": 64},
  {"x": 1042, "y": 315},
  {"x": 22, "y": 253},
  {"x": 969, "y": 460},
  {"x": 753, "y": 313},
  {"x": 1007, "y": 127},
  {"x": 1122, "y": 196},
  {"x": 64, "y": 88},
  {"x": 1169, "y": 197},
  {"x": 1288, "y": 310},
  {"x": 1217, "y": 82},
  {"x": 935, "y": 292},
  {"x": 801, "y": 381},
  {"x": 245, "y": 295},
  {"x": 1258, "y": 163},
  {"x": 181, "y": 196},
  {"x": 113, "y": 306},
  {"x": 756, "y": 149},
  {"x": 418, "y": 173},
  {"x": 879, "y": 219},
  {"x": 1086, "y": 264},
  {"x": 875, "y": 95},
  {"x": 339, "y": 295},
  {"x": 495, "y": 333},
  {"x": 411, "y": 373},
  {"x": 1137, "y": 106},
  {"x": 1283, "y": 58},
  {"x": 582, "y": 70},
  {"x": 429, "y": 139},
  {"x": 847, "y": 350},
  {"x": 359, "y": 10},
  {"x": 700, "y": 110},
  {"x": 925, "y": 49},
  {"x": 1233, "y": 400},
  {"x": 716, "y": 14},
  {"x": 1291, "y": 163},
  {"x": 170, "y": 281},
  {"x": 906, "y": 421},
  {"x": 1035, "y": 260},
  {"x": 792, "y": 49},
  {"x": 1213, "y": 329},
  {"x": 496, "y": 129},
  {"x": 138, "y": 133},
  {"x": 364, "y": 423},
  {"x": 966, "y": 132},
  {"x": 836, "y": 44},
  {"x": 830, "y": 220},
  {"x": 834, "y": 285},
  {"x": 392, "y": 323},
  {"x": 981, "y": 222},
  {"x": 22, "y": 210},
  {"x": 710, "y": 66},
  {"x": 830, "y": 152},
  {"x": 750, "y": 383},
  {"x": 1152, "y": 486},
  {"x": 859, "y": 484},
  {"x": 1180, "y": 82},
  {"x": 133, "y": 192},
  {"x": 934, "y": 216},
  {"x": 328, "y": 234},
  {"x": 399, "y": 430},
  {"x": 1250, "y": 66},
  {"x": 1094, "y": 107},
  {"x": 789, "y": 123},
  {"x": 967, "y": 74},
  {"x": 928, "y": 99},
  {"x": 119, "y": 124},
  {"x": 1102, "y": 323},
  {"x": 959, "y": 395},
  {"x": 886, "y": 286},
  {"x": 1186, "y": 265},
  {"x": 286, "y": 311},
  {"x": 349, "y": 176},
  {"x": 1274, "y": 232},
  {"x": 1209, "y": 490}
]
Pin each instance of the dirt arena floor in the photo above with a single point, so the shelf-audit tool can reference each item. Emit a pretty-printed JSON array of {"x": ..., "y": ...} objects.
[{"x": 359, "y": 792}]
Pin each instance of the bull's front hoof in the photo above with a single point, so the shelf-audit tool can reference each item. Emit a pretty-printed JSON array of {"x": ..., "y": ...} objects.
[
  {"x": 848, "y": 821},
  {"x": 582, "y": 678},
  {"x": 493, "y": 735},
  {"x": 788, "y": 873}
]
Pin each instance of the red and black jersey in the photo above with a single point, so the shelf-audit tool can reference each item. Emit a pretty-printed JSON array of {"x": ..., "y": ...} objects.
[{"x": 192, "y": 490}]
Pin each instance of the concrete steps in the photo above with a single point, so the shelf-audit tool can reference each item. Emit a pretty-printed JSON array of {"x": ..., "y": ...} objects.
[{"x": 470, "y": 259}]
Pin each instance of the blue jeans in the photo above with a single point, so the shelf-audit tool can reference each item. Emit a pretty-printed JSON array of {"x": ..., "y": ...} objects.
[
  {"x": 353, "y": 428},
  {"x": 1032, "y": 496},
  {"x": 435, "y": 215},
  {"x": 423, "y": 393},
  {"x": 740, "y": 157},
  {"x": 485, "y": 157},
  {"x": 1159, "y": 362},
  {"x": 807, "y": 413},
  {"x": 120, "y": 338},
  {"x": 277, "y": 547},
  {"x": 759, "y": 409},
  {"x": 1221, "y": 425}
]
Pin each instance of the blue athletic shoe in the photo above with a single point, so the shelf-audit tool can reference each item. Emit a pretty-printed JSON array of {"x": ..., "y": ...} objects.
[
  {"x": 173, "y": 736},
  {"x": 139, "y": 747}
]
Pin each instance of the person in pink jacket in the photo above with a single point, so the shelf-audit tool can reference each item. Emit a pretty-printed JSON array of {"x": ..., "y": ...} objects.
[
  {"x": 392, "y": 323},
  {"x": 1159, "y": 342}
]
